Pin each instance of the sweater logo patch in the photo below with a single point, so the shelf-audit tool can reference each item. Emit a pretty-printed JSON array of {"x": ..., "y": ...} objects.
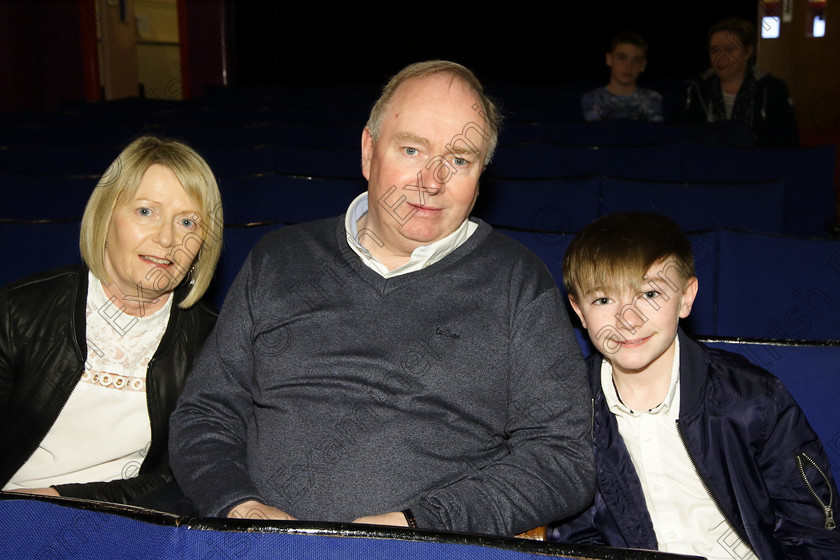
[
  {"x": 446, "y": 333},
  {"x": 423, "y": 354}
]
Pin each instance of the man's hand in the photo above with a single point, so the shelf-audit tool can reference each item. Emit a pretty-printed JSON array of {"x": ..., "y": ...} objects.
[
  {"x": 39, "y": 491},
  {"x": 395, "y": 519},
  {"x": 253, "y": 509}
]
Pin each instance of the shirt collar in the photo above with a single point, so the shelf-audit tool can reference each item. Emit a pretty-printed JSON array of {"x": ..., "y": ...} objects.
[
  {"x": 421, "y": 257},
  {"x": 614, "y": 399}
]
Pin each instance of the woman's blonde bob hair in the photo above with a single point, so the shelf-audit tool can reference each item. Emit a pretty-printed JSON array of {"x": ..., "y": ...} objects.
[{"x": 120, "y": 182}]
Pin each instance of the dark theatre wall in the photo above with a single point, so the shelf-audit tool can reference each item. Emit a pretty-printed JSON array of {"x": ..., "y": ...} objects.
[
  {"x": 518, "y": 42},
  {"x": 41, "y": 61}
]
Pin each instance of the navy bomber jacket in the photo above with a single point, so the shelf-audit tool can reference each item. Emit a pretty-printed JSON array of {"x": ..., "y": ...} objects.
[{"x": 752, "y": 447}]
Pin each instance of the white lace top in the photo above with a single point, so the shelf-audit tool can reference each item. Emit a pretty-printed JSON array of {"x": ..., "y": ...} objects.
[{"x": 103, "y": 432}]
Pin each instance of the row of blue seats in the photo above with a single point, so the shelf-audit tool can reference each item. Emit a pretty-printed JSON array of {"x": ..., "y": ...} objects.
[
  {"x": 257, "y": 128},
  {"x": 567, "y": 205},
  {"x": 808, "y": 174},
  {"x": 283, "y": 198},
  {"x": 751, "y": 285},
  {"x": 543, "y": 205},
  {"x": 519, "y": 102}
]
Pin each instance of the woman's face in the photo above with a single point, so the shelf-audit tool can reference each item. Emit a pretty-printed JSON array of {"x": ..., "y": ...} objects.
[
  {"x": 728, "y": 55},
  {"x": 152, "y": 241}
]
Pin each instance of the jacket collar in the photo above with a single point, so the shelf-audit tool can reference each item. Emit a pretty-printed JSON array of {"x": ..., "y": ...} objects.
[{"x": 694, "y": 362}]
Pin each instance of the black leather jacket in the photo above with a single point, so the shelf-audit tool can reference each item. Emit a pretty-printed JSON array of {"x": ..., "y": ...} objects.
[{"x": 43, "y": 349}]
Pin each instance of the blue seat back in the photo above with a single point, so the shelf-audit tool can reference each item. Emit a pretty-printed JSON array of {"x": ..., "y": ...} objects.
[
  {"x": 811, "y": 372},
  {"x": 808, "y": 174},
  {"x": 755, "y": 206},
  {"x": 557, "y": 205},
  {"x": 778, "y": 287},
  {"x": 32, "y": 247}
]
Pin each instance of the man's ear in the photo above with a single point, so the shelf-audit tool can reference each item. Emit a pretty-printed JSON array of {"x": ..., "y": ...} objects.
[
  {"x": 609, "y": 59},
  {"x": 688, "y": 296},
  {"x": 367, "y": 151},
  {"x": 578, "y": 312}
]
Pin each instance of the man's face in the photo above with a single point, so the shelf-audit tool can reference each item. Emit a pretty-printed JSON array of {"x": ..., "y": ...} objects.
[
  {"x": 636, "y": 331},
  {"x": 423, "y": 169},
  {"x": 626, "y": 62},
  {"x": 728, "y": 55}
]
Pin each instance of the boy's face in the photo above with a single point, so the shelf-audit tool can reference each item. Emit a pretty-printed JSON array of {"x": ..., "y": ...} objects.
[
  {"x": 626, "y": 62},
  {"x": 636, "y": 330}
]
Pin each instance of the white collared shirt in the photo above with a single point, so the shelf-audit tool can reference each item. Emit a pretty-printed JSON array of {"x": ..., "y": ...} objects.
[
  {"x": 685, "y": 517},
  {"x": 421, "y": 257}
]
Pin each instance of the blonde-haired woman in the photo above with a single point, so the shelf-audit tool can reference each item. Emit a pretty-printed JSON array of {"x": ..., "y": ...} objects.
[{"x": 93, "y": 356}]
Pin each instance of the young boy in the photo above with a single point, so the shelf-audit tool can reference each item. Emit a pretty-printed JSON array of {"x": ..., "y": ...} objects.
[
  {"x": 622, "y": 98},
  {"x": 697, "y": 450}
]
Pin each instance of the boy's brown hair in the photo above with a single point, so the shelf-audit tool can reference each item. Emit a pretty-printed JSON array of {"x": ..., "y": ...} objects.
[
  {"x": 631, "y": 38},
  {"x": 617, "y": 251}
]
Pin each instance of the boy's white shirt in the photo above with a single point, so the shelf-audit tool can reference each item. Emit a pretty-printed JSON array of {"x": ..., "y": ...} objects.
[{"x": 685, "y": 518}]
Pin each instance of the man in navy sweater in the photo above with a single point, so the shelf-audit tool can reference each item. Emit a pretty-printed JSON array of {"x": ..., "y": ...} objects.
[{"x": 401, "y": 365}]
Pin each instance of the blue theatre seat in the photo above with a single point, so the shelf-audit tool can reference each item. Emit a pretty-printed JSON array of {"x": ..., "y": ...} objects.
[
  {"x": 237, "y": 162},
  {"x": 782, "y": 287},
  {"x": 46, "y": 159},
  {"x": 236, "y": 245},
  {"x": 287, "y": 199},
  {"x": 811, "y": 372},
  {"x": 808, "y": 174},
  {"x": 44, "y": 197},
  {"x": 756, "y": 206},
  {"x": 703, "y": 319},
  {"x": 318, "y": 135},
  {"x": 549, "y": 246},
  {"x": 213, "y": 137},
  {"x": 619, "y": 133},
  {"x": 32, "y": 247},
  {"x": 69, "y": 132},
  {"x": 261, "y": 132},
  {"x": 551, "y": 161},
  {"x": 307, "y": 161},
  {"x": 557, "y": 205}
]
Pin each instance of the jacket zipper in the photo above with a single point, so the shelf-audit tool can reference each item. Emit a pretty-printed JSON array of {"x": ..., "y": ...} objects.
[
  {"x": 732, "y": 526},
  {"x": 827, "y": 509}
]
